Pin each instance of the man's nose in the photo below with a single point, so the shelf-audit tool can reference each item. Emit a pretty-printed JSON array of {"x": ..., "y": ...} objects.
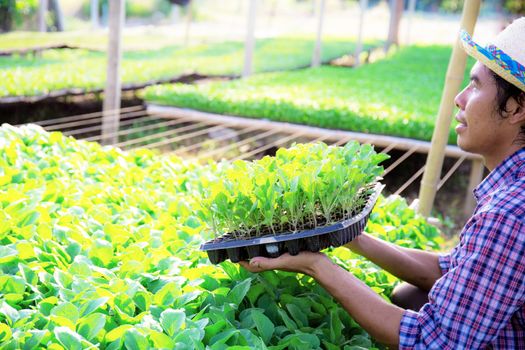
[{"x": 458, "y": 100}]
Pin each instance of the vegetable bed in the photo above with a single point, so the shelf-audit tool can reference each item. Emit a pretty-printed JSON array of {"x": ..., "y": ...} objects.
[
  {"x": 398, "y": 96},
  {"x": 86, "y": 70},
  {"x": 99, "y": 248}
]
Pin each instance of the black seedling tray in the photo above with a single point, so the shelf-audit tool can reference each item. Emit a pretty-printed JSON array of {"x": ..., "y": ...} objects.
[{"x": 336, "y": 235}]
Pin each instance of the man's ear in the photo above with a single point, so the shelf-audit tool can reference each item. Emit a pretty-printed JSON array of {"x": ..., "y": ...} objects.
[{"x": 515, "y": 110}]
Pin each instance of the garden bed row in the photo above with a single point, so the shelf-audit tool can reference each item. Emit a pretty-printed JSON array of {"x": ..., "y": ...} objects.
[
  {"x": 99, "y": 248},
  {"x": 62, "y": 70},
  {"x": 398, "y": 96}
]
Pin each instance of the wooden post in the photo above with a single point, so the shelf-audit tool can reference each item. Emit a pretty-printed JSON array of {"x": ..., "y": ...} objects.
[
  {"x": 396, "y": 12},
  {"x": 112, "y": 92},
  {"x": 58, "y": 15},
  {"x": 411, "y": 11},
  {"x": 363, "y": 4},
  {"x": 94, "y": 14},
  {"x": 249, "y": 44},
  {"x": 42, "y": 13},
  {"x": 189, "y": 18},
  {"x": 175, "y": 14},
  {"x": 476, "y": 176},
  {"x": 316, "y": 56},
  {"x": 454, "y": 78}
]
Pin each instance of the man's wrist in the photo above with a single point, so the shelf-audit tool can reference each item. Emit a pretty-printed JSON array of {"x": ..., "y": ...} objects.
[{"x": 319, "y": 267}]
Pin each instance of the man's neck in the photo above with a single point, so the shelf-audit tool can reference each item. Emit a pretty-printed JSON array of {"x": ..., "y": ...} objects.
[{"x": 493, "y": 160}]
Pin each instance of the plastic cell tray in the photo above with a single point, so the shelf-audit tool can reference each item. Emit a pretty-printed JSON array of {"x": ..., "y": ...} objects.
[{"x": 314, "y": 240}]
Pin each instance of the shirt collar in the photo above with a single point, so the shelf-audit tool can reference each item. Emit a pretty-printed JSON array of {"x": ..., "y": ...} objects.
[{"x": 506, "y": 171}]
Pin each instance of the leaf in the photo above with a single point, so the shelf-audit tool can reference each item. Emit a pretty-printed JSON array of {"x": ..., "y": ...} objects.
[
  {"x": 66, "y": 310},
  {"x": 10, "y": 313},
  {"x": 117, "y": 333},
  {"x": 166, "y": 295},
  {"x": 335, "y": 327},
  {"x": 69, "y": 339},
  {"x": 223, "y": 337},
  {"x": 5, "y": 332},
  {"x": 91, "y": 325},
  {"x": 291, "y": 325},
  {"x": 36, "y": 338},
  {"x": 7, "y": 254},
  {"x": 264, "y": 326},
  {"x": 161, "y": 340},
  {"x": 360, "y": 341},
  {"x": 237, "y": 294},
  {"x": 12, "y": 284},
  {"x": 134, "y": 340},
  {"x": 298, "y": 315},
  {"x": 172, "y": 320},
  {"x": 92, "y": 305}
]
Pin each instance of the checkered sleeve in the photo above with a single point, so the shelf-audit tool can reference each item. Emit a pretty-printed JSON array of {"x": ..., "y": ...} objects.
[
  {"x": 444, "y": 262},
  {"x": 475, "y": 299}
]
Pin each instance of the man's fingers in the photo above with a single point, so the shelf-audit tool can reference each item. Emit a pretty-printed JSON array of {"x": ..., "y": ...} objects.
[{"x": 259, "y": 264}]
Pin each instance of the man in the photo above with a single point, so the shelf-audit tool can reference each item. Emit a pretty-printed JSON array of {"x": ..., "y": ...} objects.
[{"x": 477, "y": 292}]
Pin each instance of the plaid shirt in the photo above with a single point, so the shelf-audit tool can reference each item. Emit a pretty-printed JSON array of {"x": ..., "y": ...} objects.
[{"x": 478, "y": 303}]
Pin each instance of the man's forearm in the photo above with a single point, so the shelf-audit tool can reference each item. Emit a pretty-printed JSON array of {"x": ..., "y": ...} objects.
[
  {"x": 379, "y": 318},
  {"x": 418, "y": 267}
]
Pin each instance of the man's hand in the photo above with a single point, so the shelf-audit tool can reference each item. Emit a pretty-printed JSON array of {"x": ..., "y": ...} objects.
[{"x": 304, "y": 262}]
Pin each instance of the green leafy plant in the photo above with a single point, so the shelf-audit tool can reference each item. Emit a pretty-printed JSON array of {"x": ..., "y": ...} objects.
[
  {"x": 82, "y": 69},
  {"x": 303, "y": 187},
  {"x": 99, "y": 249},
  {"x": 397, "y": 96}
]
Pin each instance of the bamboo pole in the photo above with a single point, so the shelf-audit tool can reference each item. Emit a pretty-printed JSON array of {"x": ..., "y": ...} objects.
[
  {"x": 54, "y": 6},
  {"x": 411, "y": 11},
  {"x": 316, "y": 56},
  {"x": 454, "y": 78},
  {"x": 94, "y": 14},
  {"x": 189, "y": 19},
  {"x": 42, "y": 13},
  {"x": 249, "y": 44},
  {"x": 112, "y": 92},
  {"x": 363, "y": 4}
]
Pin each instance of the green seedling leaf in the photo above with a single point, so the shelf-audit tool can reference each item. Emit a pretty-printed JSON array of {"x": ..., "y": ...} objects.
[
  {"x": 237, "y": 294},
  {"x": 10, "y": 313},
  {"x": 133, "y": 339},
  {"x": 117, "y": 333},
  {"x": 298, "y": 315},
  {"x": 172, "y": 321},
  {"x": 66, "y": 310},
  {"x": 69, "y": 339},
  {"x": 92, "y": 305},
  {"x": 5, "y": 332},
  {"x": 264, "y": 326},
  {"x": 91, "y": 325}
]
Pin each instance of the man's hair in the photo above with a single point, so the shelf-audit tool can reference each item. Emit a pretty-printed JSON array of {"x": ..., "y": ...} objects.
[{"x": 505, "y": 92}]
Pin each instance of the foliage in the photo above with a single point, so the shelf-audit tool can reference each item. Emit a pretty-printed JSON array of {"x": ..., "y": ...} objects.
[
  {"x": 68, "y": 69},
  {"x": 398, "y": 96},
  {"x": 303, "y": 187},
  {"x": 99, "y": 249},
  {"x": 13, "y": 12}
]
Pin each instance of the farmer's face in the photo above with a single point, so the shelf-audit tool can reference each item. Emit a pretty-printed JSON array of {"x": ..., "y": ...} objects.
[{"x": 480, "y": 129}]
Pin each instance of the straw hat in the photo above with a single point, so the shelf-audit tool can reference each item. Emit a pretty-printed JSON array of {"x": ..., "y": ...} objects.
[{"x": 505, "y": 56}]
